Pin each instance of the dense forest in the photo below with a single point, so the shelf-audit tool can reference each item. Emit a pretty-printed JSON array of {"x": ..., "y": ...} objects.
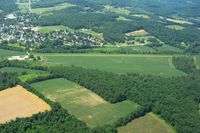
[
  {"x": 184, "y": 63},
  {"x": 8, "y": 5},
  {"x": 174, "y": 99},
  {"x": 7, "y": 80}
]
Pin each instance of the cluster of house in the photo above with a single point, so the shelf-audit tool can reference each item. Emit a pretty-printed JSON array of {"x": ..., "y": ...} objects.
[{"x": 21, "y": 31}]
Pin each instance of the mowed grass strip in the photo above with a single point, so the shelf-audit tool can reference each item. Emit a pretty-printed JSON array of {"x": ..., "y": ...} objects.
[
  {"x": 120, "y": 64},
  {"x": 7, "y": 53},
  {"x": 150, "y": 123},
  {"x": 83, "y": 103},
  {"x": 17, "y": 102}
]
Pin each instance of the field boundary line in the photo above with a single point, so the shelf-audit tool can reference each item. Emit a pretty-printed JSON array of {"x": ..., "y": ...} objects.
[{"x": 171, "y": 63}]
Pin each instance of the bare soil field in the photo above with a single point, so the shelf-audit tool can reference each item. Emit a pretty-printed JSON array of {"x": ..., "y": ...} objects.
[{"x": 17, "y": 102}]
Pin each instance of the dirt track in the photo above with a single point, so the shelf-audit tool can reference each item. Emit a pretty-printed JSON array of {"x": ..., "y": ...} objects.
[{"x": 17, "y": 102}]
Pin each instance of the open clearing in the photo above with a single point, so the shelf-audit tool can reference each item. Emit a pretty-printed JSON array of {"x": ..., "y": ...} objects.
[
  {"x": 178, "y": 21},
  {"x": 83, "y": 103},
  {"x": 7, "y": 53},
  {"x": 138, "y": 33},
  {"x": 121, "y": 64},
  {"x": 53, "y": 8},
  {"x": 150, "y": 123},
  {"x": 175, "y": 27},
  {"x": 17, "y": 102},
  {"x": 47, "y": 29},
  {"x": 109, "y": 8},
  {"x": 141, "y": 16}
]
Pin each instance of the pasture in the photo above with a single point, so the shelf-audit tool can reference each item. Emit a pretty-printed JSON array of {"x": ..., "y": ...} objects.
[
  {"x": 150, "y": 123},
  {"x": 121, "y": 64},
  {"x": 17, "y": 102},
  {"x": 83, "y": 103},
  {"x": 53, "y": 8},
  {"x": 8, "y": 53}
]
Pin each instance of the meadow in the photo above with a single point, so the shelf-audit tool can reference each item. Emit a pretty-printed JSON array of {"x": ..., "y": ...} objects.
[
  {"x": 175, "y": 27},
  {"x": 145, "y": 64},
  {"x": 83, "y": 103},
  {"x": 150, "y": 123},
  {"x": 7, "y": 53},
  {"x": 17, "y": 102},
  {"x": 54, "y": 8}
]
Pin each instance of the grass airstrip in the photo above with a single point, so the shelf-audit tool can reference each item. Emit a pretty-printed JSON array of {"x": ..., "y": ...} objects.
[
  {"x": 83, "y": 103},
  {"x": 17, "y": 102},
  {"x": 145, "y": 64},
  {"x": 150, "y": 123}
]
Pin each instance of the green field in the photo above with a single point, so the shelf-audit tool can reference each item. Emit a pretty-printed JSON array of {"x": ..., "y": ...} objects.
[
  {"x": 144, "y": 64},
  {"x": 19, "y": 70},
  {"x": 54, "y": 8},
  {"x": 150, "y": 123},
  {"x": 47, "y": 29},
  {"x": 126, "y": 48},
  {"x": 7, "y": 53},
  {"x": 197, "y": 61},
  {"x": 175, "y": 27},
  {"x": 83, "y": 103}
]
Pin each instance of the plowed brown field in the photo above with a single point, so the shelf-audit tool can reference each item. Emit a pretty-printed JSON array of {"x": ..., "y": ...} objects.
[{"x": 17, "y": 102}]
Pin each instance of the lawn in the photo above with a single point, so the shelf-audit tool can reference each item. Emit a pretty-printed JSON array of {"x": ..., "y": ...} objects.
[
  {"x": 7, "y": 53},
  {"x": 54, "y": 8},
  {"x": 121, "y": 64},
  {"x": 83, "y": 103},
  {"x": 150, "y": 123}
]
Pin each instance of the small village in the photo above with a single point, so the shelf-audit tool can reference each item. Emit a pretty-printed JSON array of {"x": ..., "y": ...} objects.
[{"x": 18, "y": 28}]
